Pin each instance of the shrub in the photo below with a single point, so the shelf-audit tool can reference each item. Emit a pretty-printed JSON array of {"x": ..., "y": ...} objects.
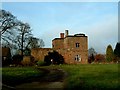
[
  {"x": 40, "y": 63},
  {"x": 16, "y": 59},
  {"x": 100, "y": 58},
  {"x": 54, "y": 58}
]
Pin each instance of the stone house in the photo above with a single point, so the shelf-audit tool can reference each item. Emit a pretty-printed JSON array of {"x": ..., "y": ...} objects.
[{"x": 74, "y": 48}]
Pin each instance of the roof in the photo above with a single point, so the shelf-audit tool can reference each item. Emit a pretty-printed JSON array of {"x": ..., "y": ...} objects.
[
  {"x": 76, "y": 35},
  {"x": 80, "y": 34},
  {"x": 57, "y": 39}
]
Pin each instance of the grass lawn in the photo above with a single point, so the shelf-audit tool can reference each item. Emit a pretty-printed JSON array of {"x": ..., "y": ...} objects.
[
  {"x": 87, "y": 77},
  {"x": 16, "y": 75},
  {"x": 92, "y": 76}
]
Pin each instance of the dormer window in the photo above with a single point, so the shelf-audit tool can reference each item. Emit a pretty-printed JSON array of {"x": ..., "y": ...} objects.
[{"x": 77, "y": 45}]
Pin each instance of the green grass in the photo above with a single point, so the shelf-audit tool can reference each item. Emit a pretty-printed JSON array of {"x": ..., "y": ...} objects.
[
  {"x": 16, "y": 75},
  {"x": 91, "y": 76},
  {"x": 87, "y": 76},
  {"x": 95, "y": 76}
]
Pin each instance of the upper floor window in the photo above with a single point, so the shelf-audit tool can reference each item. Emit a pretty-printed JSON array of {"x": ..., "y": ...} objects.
[
  {"x": 77, "y": 45},
  {"x": 53, "y": 45}
]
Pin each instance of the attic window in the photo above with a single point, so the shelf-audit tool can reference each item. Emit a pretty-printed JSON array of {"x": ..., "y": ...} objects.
[{"x": 77, "y": 45}]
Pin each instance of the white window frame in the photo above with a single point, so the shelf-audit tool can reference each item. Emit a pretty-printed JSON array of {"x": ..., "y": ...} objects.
[{"x": 78, "y": 58}]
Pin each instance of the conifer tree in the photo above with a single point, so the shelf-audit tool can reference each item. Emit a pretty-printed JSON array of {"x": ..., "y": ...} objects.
[
  {"x": 117, "y": 50},
  {"x": 109, "y": 54}
]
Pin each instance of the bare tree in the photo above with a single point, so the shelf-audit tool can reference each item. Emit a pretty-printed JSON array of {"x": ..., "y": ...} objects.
[
  {"x": 24, "y": 32},
  {"x": 7, "y": 21},
  {"x": 16, "y": 34},
  {"x": 34, "y": 42},
  {"x": 92, "y": 51}
]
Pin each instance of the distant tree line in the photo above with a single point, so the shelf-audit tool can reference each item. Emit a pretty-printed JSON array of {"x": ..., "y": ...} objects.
[{"x": 111, "y": 56}]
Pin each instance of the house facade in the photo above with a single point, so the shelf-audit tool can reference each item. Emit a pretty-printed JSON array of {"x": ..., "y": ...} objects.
[{"x": 74, "y": 48}]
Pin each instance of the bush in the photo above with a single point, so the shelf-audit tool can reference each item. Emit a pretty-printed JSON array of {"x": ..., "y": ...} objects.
[
  {"x": 16, "y": 59},
  {"x": 40, "y": 63},
  {"x": 54, "y": 58},
  {"x": 100, "y": 58}
]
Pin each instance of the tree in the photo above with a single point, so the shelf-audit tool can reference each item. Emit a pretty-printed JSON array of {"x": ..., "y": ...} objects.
[
  {"x": 117, "y": 50},
  {"x": 91, "y": 58},
  {"x": 109, "y": 53},
  {"x": 7, "y": 21},
  {"x": 91, "y": 55},
  {"x": 99, "y": 58},
  {"x": 9, "y": 45},
  {"x": 25, "y": 40},
  {"x": 92, "y": 51},
  {"x": 24, "y": 32},
  {"x": 16, "y": 34},
  {"x": 34, "y": 42}
]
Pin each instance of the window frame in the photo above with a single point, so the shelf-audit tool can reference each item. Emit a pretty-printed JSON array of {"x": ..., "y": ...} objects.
[
  {"x": 78, "y": 58},
  {"x": 77, "y": 45}
]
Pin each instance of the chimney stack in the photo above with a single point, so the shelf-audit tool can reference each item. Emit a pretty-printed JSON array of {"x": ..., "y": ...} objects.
[
  {"x": 66, "y": 33},
  {"x": 61, "y": 35}
]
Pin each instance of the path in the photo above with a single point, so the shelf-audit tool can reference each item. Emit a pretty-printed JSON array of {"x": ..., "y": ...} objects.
[{"x": 53, "y": 78}]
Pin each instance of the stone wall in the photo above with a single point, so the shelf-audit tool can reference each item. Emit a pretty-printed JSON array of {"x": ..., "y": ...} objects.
[
  {"x": 40, "y": 53},
  {"x": 72, "y": 51},
  {"x": 58, "y": 43}
]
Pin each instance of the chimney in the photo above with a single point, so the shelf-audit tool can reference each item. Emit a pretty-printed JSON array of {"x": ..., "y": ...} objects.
[
  {"x": 66, "y": 33},
  {"x": 61, "y": 35}
]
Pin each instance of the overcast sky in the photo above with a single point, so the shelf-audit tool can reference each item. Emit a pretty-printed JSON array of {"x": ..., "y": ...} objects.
[{"x": 98, "y": 20}]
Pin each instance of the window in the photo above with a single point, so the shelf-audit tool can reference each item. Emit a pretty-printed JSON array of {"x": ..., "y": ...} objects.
[
  {"x": 53, "y": 45},
  {"x": 77, "y": 58},
  {"x": 77, "y": 45}
]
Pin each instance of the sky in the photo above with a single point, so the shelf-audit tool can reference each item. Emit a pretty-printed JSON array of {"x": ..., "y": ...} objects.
[{"x": 98, "y": 20}]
